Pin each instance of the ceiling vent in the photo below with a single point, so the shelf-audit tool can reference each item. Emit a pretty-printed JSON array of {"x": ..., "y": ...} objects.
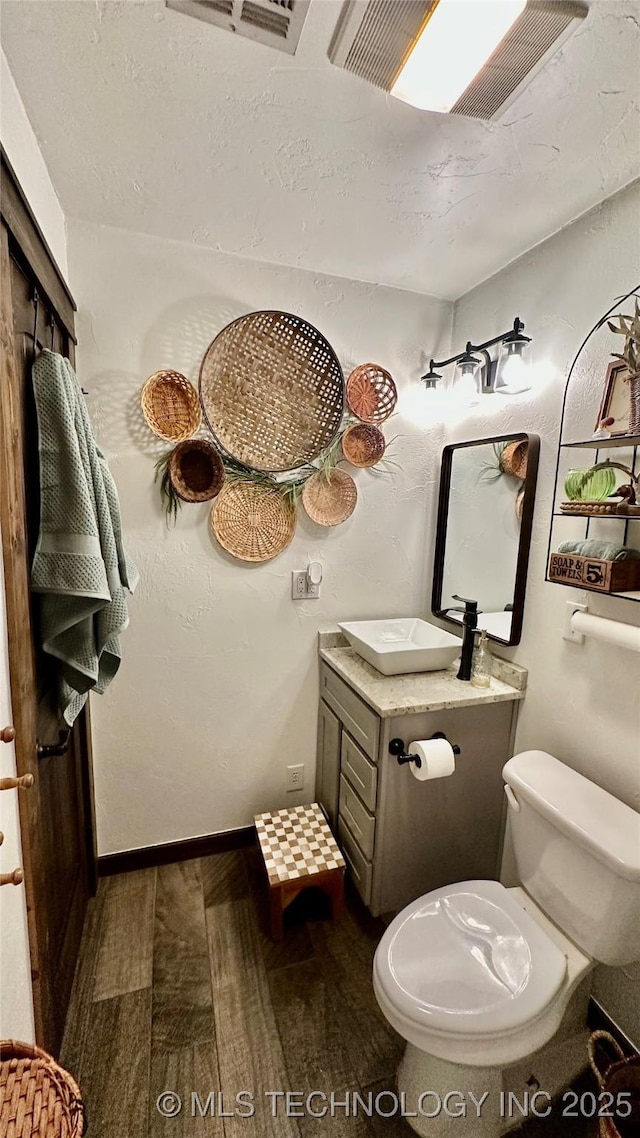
[
  {"x": 373, "y": 39},
  {"x": 277, "y": 23}
]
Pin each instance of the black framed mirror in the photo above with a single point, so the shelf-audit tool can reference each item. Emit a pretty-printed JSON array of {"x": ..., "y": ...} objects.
[{"x": 485, "y": 514}]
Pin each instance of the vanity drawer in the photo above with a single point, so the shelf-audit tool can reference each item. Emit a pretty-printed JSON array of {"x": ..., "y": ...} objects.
[
  {"x": 362, "y": 775},
  {"x": 358, "y": 866},
  {"x": 358, "y": 718},
  {"x": 360, "y": 822}
]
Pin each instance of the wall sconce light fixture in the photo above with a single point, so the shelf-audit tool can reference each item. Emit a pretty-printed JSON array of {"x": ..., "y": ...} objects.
[{"x": 507, "y": 374}]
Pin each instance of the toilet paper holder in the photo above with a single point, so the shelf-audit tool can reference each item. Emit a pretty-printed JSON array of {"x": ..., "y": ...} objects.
[{"x": 396, "y": 747}]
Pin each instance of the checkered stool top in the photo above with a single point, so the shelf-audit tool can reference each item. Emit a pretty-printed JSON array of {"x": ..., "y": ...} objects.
[{"x": 297, "y": 843}]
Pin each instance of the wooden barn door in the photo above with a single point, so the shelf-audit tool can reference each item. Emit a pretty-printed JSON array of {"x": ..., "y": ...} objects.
[{"x": 56, "y": 812}]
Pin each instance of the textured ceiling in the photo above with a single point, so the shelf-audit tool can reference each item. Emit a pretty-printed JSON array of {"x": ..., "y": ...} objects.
[{"x": 155, "y": 122}]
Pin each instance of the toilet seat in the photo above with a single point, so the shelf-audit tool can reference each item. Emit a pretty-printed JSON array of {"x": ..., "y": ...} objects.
[{"x": 466, "y": 960}]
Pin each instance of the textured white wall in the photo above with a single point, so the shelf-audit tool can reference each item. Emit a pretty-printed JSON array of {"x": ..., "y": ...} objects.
[
  {"x": 218, "y": 688},
  {"x": 24, "y": 154},
  {"x": 582, "y": 702}
]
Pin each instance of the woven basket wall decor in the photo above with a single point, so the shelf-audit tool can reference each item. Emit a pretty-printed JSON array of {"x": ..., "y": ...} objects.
[
  {"x": 196, "y": 470},
  {"x": 363, "y": 444},
  {"x": 371, "y": 393},
  {"x": 329, "y": 498},
  {"x": 170, "y": 406},
  {"x": 38, "y": 1098},
  {"x": 251, "y": 521},
  {"x": 272, "y": 391},
  {"x": 514, "y": 458}
]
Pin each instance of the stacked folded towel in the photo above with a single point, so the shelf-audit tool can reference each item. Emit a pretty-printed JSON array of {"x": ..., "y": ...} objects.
[{"x": 602, "y": 550}]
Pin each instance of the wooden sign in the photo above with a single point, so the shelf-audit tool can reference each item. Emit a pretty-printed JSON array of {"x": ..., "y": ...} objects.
[{"x": 593, "y": 573}]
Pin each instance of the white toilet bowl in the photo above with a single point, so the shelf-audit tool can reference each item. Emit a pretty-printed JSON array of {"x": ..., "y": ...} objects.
[
  {"x": 479, "y": 978},
  {"x": 476, "y": 974}
]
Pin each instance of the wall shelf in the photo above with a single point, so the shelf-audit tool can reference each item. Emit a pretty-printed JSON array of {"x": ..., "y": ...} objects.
[
  {"x": 585, "y": 525},
  {"x": 605, "y": 444},
  {"x": 598, "y": 517}
]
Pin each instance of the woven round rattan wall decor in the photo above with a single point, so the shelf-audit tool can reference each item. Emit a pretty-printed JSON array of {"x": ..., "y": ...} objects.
[
  {"x": 170, "y": 406},
  {"x": 371, "y": 393},
  {"x": 196, "y": 470},
  {"x": 363, "y": 444},
  {"x": 514, "y": 458},
  {"x": 330, "y": 497},
  {"x": 251, "y": 521},
  {"x": 272, "y": 391}
]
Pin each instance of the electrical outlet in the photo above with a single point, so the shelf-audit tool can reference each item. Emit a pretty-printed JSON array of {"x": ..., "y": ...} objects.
[
  {"x": 299, "y": 584},
  {"x": 295, "y": 777}
]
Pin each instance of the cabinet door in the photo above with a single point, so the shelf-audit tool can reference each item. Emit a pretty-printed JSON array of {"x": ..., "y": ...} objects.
[{"x": 328, "y": 762}]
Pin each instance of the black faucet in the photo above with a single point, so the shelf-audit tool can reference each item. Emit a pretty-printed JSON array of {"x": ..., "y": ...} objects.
[{"x": 470, "y": 622}]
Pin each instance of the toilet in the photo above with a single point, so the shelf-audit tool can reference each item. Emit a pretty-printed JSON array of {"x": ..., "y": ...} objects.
[{"x": 489, "y": 985}]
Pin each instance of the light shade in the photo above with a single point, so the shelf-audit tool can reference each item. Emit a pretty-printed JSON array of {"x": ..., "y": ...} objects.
[
  {"x": 514, "y": 367},
  {"x": 455, "y": 42}
]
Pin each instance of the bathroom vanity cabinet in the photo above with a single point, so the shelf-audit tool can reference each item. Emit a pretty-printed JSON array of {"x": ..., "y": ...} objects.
[{"x": 401, "y": 837}]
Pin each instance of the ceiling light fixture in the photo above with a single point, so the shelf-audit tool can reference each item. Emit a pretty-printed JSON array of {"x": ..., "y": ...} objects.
[
  {"x": 508, "y": 374},
  {"x": 456, "y": 40}
]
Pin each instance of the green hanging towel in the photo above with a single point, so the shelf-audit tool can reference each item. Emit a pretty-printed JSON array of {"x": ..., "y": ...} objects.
[{"x": 80, "y": 569}]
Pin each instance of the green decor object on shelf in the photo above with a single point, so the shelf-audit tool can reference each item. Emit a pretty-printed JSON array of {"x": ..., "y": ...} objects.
[{"x": 590, "y": 485}]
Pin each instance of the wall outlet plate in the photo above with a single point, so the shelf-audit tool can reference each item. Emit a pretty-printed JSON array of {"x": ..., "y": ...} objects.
[
  {"x": 299, "y": 584},
  {"x": 301, "y": 587},
  {"x": 295, "y": 777},
  {"x": 568, "y": 632}
]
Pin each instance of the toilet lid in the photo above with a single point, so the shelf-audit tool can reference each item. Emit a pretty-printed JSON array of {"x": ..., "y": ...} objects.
[{"x": 468, "y": 959}]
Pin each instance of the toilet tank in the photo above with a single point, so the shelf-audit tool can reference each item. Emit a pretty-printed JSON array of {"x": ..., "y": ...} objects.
[{"x": 577, "y": 852}]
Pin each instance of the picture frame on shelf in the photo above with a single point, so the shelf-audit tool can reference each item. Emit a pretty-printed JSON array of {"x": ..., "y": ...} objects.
[{"x": 616, "y": 400}]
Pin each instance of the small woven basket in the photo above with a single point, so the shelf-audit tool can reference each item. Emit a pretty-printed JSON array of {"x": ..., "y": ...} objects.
[
  {"x": 514, "y": 459},
  {"x": 196, "y": 470},
  {"x": 363, "y": 444},
  {"x": 38, "y": 1098},
  {"x": 252, "y": 522},
  {"x": 371, "y": 393},
  {"x": 329, "y": 498},
  {"x": 620, "y": 1076},
  {"x": 170, "y": 406}
]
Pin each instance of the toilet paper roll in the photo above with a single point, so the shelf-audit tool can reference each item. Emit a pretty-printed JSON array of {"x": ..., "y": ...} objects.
[{"x": 437, "y": 759}]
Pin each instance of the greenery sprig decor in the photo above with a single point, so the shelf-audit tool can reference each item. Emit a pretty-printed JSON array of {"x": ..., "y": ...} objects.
[{"x": 286, "y": 487}]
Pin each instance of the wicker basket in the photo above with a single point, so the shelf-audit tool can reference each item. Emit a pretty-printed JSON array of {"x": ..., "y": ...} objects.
[
  {"x": 38, "y": 1098},
  {"x": 196, "y": 470},
  {"x": 600, "y": 509},
  {"x": 620, "y": 1076},
  {"x": 272, "y": 391},
  {"x": 170, "y": 406},
  {"x": 329, "y": 498},
  {"x": 363, "y": 444},
  {"x": 252, "y": 522},
  {"x": 513, "y": 459},
  {"x": 371, "y": 393}
]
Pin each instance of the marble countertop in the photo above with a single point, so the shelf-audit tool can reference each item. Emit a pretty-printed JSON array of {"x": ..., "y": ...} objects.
[{"x": 422, "y": 691}]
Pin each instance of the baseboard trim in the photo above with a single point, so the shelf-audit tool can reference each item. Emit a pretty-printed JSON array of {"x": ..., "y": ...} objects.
[
  {"x": 598, "y": 1020},
  {"x": 149, "y": 856}
]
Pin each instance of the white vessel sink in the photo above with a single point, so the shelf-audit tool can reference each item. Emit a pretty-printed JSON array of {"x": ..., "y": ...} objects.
[{"x": 405, "y": 645}]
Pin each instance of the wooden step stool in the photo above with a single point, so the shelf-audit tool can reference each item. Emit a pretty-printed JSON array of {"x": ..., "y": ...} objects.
[{"x": 299, "y": 851}]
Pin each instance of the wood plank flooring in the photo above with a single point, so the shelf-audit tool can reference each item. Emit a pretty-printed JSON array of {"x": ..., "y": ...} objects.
[{"x": 179, "y": 989}]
